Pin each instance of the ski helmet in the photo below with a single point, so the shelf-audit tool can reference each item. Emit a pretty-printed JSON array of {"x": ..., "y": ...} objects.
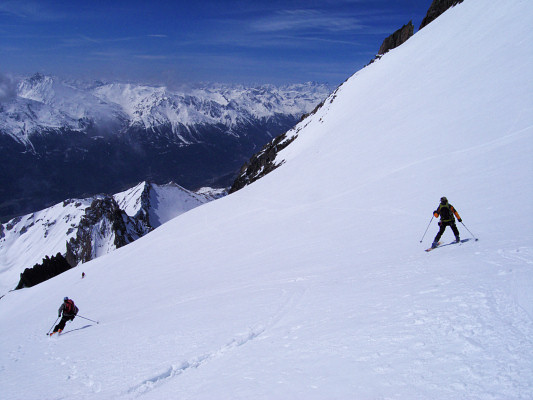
[
  {"x": 443, "y": 200},
  {"x": 65, "y": 299}
]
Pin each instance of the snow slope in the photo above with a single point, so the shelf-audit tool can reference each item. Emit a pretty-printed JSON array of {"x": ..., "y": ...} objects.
[
  {"x": 26, "y": 240},
  {"x": 311, "y": 283}
]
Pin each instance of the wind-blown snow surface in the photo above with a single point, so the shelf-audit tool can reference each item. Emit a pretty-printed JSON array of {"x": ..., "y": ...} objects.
[{"x": 311, "y": 283}]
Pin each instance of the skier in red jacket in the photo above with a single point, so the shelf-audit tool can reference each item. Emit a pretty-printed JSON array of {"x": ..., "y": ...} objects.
[{"x": 69, "y": 310}]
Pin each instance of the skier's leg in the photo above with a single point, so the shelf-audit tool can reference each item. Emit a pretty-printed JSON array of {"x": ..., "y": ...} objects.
[
  {"x": 61, "y": 324},
  {"x": 440, "y": 233},
  {"x": 455, "y": 231}
]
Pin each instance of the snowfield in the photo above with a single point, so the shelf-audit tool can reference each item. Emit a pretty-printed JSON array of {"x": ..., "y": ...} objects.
[{"x": 312, "y": 282}]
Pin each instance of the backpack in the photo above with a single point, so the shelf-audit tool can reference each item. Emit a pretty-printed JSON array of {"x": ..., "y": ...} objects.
[
  {"x": 445, "y": 212},
  {"x": 69, "y": 307}
]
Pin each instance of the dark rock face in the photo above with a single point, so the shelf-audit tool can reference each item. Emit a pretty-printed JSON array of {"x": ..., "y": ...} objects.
[
  {"x": 397, "y": 38},
  {"x": 49, "y": 268},
  {"x": 103, "y": 220},
  {"x": 261, "y": 163},
  {"x": 436, "y": 9}
]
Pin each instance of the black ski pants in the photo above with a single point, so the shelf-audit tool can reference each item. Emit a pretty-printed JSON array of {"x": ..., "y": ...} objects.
[
  {"x": 63, "y": 321},
  {"x": 443, "y": 226}
]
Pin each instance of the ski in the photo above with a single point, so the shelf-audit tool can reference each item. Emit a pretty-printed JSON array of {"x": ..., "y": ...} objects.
[
  {"x": 439, "y": 244},
  {"x": 433, "y": 248}
]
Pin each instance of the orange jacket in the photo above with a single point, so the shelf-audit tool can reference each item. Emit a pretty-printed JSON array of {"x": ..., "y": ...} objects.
[{"x": 446, "y": 213}]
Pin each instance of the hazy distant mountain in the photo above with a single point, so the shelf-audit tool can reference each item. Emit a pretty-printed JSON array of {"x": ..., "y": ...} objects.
[{"x": 61, "y": 139}]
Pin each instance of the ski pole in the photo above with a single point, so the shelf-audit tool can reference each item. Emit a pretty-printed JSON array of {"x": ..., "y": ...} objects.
[
  {"x": 469, "y": 231},
  {"x": 52, "y": 327},
  {"x": 427, "y": 228},
  {"x": 87, "y": 319}
]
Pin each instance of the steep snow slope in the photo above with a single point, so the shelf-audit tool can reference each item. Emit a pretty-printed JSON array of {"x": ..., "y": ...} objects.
[{"x": 311, "y": 283}]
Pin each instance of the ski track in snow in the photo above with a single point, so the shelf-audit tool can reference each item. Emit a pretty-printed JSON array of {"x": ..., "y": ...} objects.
[
  {"x": 238, "y": 341},
  {"x": 88, "y": 384},
  {"x": 446, "y": 324},
  {"x": 477, "y": 322}
]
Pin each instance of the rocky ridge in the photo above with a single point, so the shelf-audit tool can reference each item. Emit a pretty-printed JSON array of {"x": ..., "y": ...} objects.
[{"x": 436, "y": 8}]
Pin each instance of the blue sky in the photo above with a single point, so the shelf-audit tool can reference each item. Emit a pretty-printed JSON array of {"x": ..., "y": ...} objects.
[{"x": 175, "y": 42}]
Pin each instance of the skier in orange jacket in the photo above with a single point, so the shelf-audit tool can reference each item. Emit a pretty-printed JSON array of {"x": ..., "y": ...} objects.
[{"x": 446, "y": 212}]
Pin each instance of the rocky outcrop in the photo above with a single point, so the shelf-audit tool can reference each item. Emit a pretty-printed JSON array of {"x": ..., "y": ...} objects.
[
  {"x": 49, "y": 268},
  {"x": 397, "y": 38},
  {"x": 103, "y": 226},
  {"x": 436, "y": 9},
  {"x": 261, "y": 163}
]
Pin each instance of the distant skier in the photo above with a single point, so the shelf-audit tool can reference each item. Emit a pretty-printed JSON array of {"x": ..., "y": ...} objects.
[
  {"x": 446, "y": 212},
  {"x": 69, "y": 310},
  {"x": 82, "y": 275}
]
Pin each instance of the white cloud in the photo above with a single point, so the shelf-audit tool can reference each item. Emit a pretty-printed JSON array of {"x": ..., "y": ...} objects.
[
  {"x": 302, "y": 20},
  {"x": 29, "y": 10},
  {"x": 8, "y": 88}
]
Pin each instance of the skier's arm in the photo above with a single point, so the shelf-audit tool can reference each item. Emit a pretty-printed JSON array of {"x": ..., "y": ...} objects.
[
  {"x": 436, "y": 212},
  {"x": 60, "y": 310},
  {"x": 457, "y": 214}
]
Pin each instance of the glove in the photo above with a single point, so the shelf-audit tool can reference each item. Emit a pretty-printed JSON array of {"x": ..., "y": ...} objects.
[
  {"x": 72, "y": 318},
  {"x": 460, "y": 220}
]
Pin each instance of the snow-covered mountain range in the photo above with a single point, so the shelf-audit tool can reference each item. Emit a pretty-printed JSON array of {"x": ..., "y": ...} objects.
[
  {"x": 62, "y": 139},
  {"x": 84, "y": 229},
  {"x": 312, "y": 282},
  {"x": 45, "y": 103}
]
